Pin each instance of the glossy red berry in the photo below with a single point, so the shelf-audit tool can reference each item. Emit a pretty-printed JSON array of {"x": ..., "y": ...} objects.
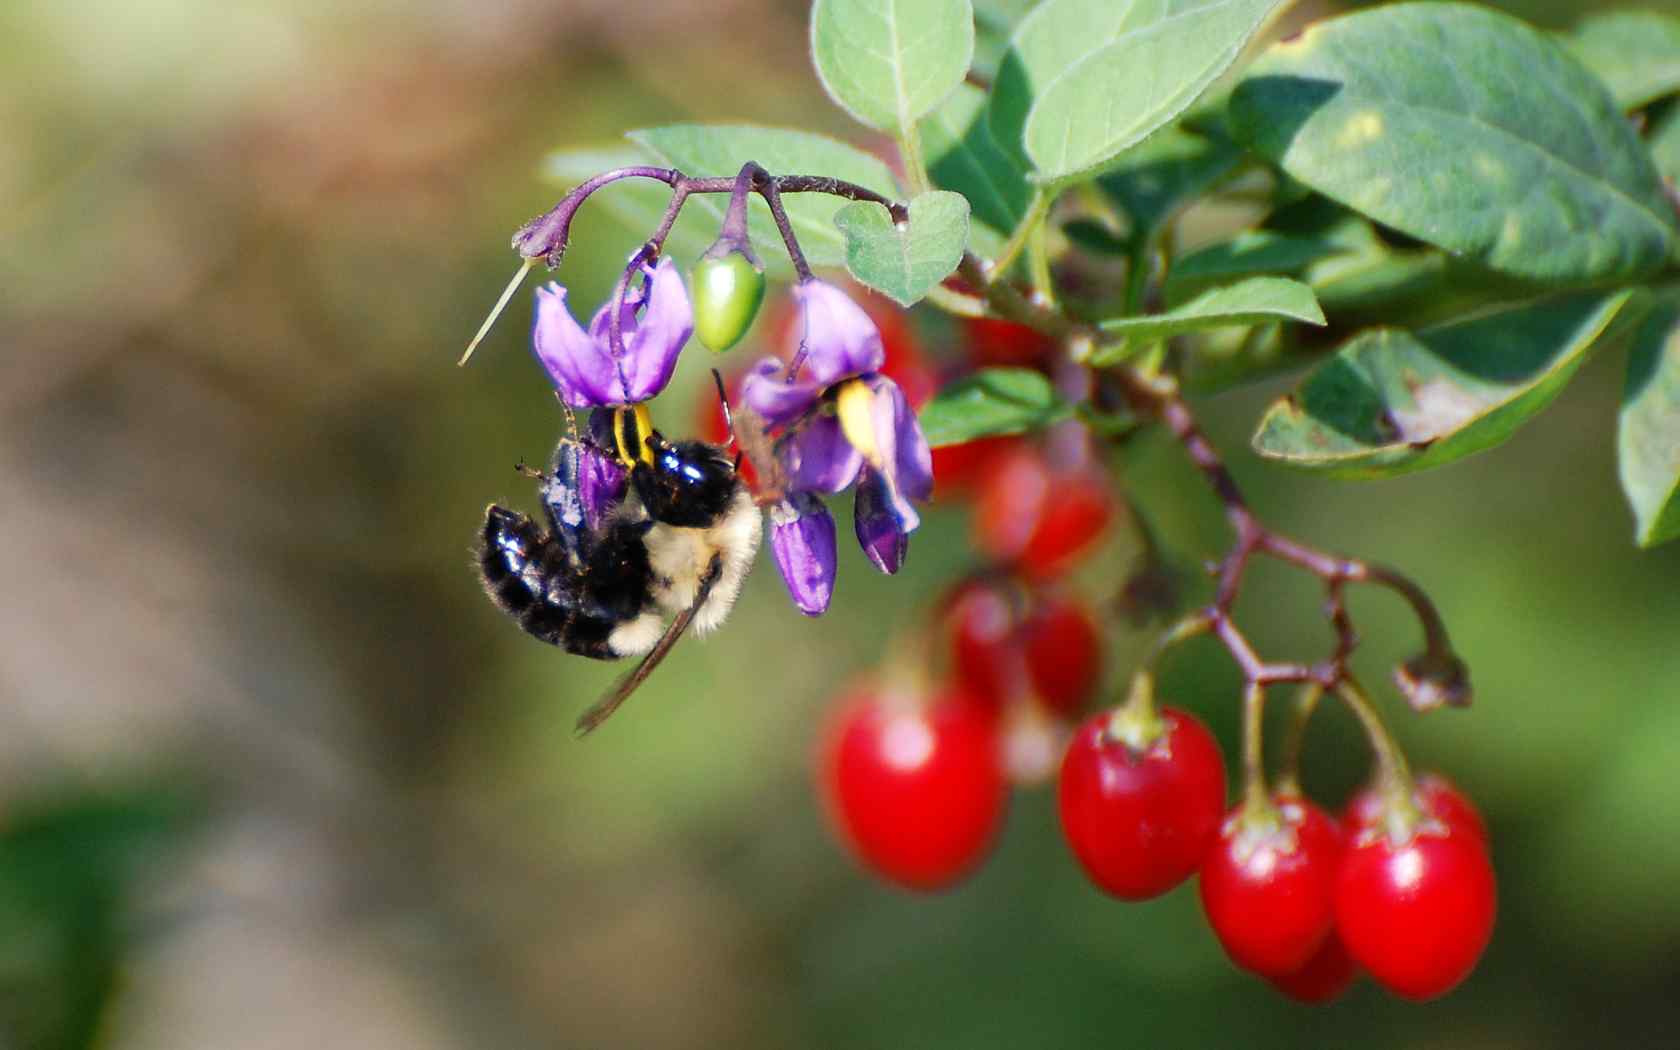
[
  {"x": 1063, "y": 654},
  {"x": 917, "y": 793},
  {"x": 1268, "y": 886},
  {"x": 1141, "y": 822},
  {"x": 1416, "y": 914},
  {"x": 1436, "y": 796},
  {"x": 1325, "y": 977}
]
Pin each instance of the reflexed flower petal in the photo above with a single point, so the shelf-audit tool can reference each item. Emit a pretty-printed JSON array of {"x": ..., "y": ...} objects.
[
  {"x": 581, "y": 370},
  {"x": 818, "y": 457},
  {"x": 582, "y": 363},
  {"x": 839, "y": 338},
  {"x": 881, "y": 533},
  {"x": 906, "y": 460},
  {"x": 767, "y": 392},
  {"x": 802, "y": 540}
]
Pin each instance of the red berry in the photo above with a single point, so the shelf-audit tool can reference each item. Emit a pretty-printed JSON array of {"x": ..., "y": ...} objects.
[
  {"x": 1142, "y": 822},
  {"x": 958, "y": 469},
  {"x": 917, "y": 793},
  {"x": 1269, "y": 887},
  {"x": 992, "y": 341},
  {"x": 1064, "y": 655},
  {"x": 1039, "y": 518},
  {"x": 1416, "y": 914},
  {"x": 1325, "y": 977},
  {"x": 1436, "y": 795},
  {"x": 984, "y": 653}
]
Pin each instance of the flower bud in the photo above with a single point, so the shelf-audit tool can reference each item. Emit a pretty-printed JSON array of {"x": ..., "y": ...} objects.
[{"x": 728, "y": 289}]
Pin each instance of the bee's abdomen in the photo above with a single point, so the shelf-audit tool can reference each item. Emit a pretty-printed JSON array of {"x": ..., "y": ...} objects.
[{"x": 576, "y": 607}]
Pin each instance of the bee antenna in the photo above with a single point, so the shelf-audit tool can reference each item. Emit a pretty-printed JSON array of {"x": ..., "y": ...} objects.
[{"x": 728, "y": 416}]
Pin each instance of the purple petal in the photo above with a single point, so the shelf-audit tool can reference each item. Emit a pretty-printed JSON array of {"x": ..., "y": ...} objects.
[
  {"x": 906, "y": 461},
  {"x": 660, "y": 333},
  {"x": 836, "y": 335},
  {"x": 582, "y": 372},
  {"x": 880, "y": 532},
  {"x": 818, "y": 457},
  {"x": 601, "y": 485},
  {"x": 767, "y": 392},
  {"x": 802, "y": 540}
]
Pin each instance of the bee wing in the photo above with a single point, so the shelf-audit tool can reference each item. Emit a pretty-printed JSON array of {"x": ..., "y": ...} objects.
[{"x": 603, "y": 708}]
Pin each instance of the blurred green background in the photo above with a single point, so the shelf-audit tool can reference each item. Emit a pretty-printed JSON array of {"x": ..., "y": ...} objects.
[{"x": 274, "y": 774}]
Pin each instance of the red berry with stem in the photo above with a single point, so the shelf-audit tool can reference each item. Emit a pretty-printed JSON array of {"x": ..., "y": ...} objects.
[
  {"x": 1417, "y": 912},
  {"x": 1325, "y": 977},
  {"x": 1268, "y": 885},
  {"x": 1064, "y": 654},
  {"x": 1435, "y": 795},
  {"x": 915, "y": 787},
  {"x": 1140, "y": 796}
]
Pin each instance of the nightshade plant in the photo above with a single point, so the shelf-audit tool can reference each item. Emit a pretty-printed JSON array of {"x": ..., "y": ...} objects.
[{"x": 1453, "y": 210}]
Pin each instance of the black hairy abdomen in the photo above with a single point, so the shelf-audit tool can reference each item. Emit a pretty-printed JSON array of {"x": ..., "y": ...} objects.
[{"x": 574, "y": 601}]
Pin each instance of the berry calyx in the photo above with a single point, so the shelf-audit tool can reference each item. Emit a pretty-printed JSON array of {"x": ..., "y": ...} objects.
[
  {"x": 1325, "y": 976},
  {"x": 1141, "y": 814},
  {"x": 1268, "y": 886},
  {"x": 1064, "y": 654},
  {"x": 727, "y": 290},
  {"x": 1435, "y": 796},
  {"x": 1416, "y": 913},
  {"x": 915, "y": 789}
]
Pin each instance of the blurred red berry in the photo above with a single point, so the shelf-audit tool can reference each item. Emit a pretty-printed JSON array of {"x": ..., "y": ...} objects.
[
  {"x": 984, "y": 653},
  {"x": 1436, "y": 796},
  {"x": 992, "y": 341},
  {"x": 1142, "y": 822},
  {"x": 1269, "y": 888},
  {"x": 1040, "y": 519},
  {"x": 1325, "y": 977},
  {"x": 1416, "y": 914},
  {"x": 1064, "y": 654},
  {"x": 959, "y": 469},
  {"x": 918, "y": 794}
]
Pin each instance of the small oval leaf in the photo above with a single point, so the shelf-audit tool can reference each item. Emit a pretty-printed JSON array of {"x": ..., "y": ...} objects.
[
  {"x": 1232, "y": 306},
  {"x": 905, "y": 262},
  {"x": 891, "y": 62},
  {"x": 1464, "y": 128},
  {"x": 1391, "y": 402},
  {"x": 721, "y": 149},
  {"x": 1148, "y": 72},
  {"x": 991, "y": 401},
  {"x": 1648, "y": 438},
  {"x": 1635, "y": 53}
]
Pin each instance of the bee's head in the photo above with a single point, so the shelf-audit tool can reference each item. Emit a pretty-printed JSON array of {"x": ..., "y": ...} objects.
[{"x": 687, "y": 483}]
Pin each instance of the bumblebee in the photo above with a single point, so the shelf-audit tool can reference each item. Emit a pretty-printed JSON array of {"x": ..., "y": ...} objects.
[{"x": 676, "y": 540}]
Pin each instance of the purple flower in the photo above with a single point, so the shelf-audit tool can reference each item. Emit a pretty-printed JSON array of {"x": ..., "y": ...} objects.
[
  {"x": 654, "y": 324},
  {"x": 841, "y": 421},
  {"x": 802, "y": 539}
]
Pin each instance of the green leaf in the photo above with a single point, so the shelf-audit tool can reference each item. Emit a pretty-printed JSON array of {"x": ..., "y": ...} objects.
[
  {"x": 904, "y": 262},
  {"x": 991, "y": 401},
  {"x": 1648, "y": 439},
  {"x": 1464, "y": 128},
  {"x": 1635, "y": 53},
  {"x": 721, "y": 149},
  {"x": 1086, "y": 79},
  {"x": 1390, "y": 402},
  {"x": 1155, "y": 180},
  {"x": 1232, "y": 306},
  {"x": 1248, "y": 253},
  {"x": 962, "y": 156},
  {"x": 891, "y": 62},
  {"x": 1664, "y": 143}
]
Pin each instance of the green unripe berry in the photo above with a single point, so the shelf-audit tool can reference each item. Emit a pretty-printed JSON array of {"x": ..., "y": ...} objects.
[{"x": 727, "y": 291}]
